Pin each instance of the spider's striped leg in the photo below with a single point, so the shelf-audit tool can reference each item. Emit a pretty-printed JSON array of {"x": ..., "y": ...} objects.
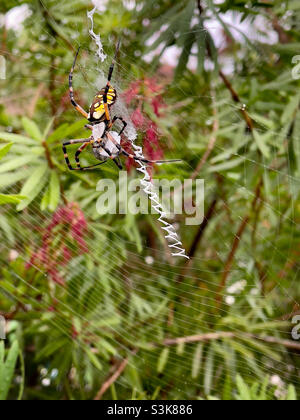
[
  {"x": 84, "y": 142},
  {"x": 90, "y": 126},
  {"x": 122, "y": 120},
  {"x": 118, "y": 163},
  {"x": 71, "y": 90},
  {"x": 111, "y": 69},
  {"x": 77, "y": 154},
  {"x": 87, "y": 168},
  {"x": 146, "y": 161},
  {"x": 107, "y": 151},
  {"x": 108, "y": 85}
]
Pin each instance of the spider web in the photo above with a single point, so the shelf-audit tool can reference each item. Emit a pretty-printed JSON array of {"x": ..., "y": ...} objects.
[
  {"x": 147, "y": 276},
  {"x": 147, "y": 185}
]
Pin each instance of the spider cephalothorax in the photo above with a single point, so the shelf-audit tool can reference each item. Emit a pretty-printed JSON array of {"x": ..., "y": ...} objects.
[{"x": 106, "y": 144}]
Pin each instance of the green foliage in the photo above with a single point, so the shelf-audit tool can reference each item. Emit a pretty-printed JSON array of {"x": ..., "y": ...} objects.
[
  {"x": 84, "y": 292},
  {"x": 7, "y": 368},
  {"x": 259, "y": 392},
  {"x": 4, "y": 198}
]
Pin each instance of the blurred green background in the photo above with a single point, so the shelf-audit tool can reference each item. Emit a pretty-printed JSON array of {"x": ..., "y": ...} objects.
[{"x": 95, "y": 306}]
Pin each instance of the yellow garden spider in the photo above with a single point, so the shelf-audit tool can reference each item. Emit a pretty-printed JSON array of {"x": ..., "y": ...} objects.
[{"x": 106, "y": 144}]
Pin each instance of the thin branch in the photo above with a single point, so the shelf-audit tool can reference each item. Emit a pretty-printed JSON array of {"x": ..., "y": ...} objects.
[
  {"x": 33, "y": 102},
  {"x": 48, "y": 155},
  {"x": 198, "y": 338},
  {"x": 231, "y": 256},
  {"x": 284, "y": 38},
  {"x": 237, "y": 241},
  {"x": 232, "y": 91},
  {"x": 51, "y": 23},
  {"x": 237, "y": 99},
  {"x": 263, "y": 276},
  {"x": 112, "y": 379},
  {"x": 202, "y": 338},
  {"x": 200, "y": 8},
  {"x": 198, "y": 238},
  {"x": 202, "y": 228},
  {"x": 210, "y": 146},
  {"x": 289, "y": 344}
]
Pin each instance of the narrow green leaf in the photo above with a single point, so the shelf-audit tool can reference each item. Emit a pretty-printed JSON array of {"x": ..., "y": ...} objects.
[
  {"x": 17, "y": 139},
  {"x": 233, "y": 163},
  {"x": 163, "y": 360},
  {"x": 32, "y": 129},
  {"x": 34, "y": 180},
  {"x": 11, "y": 199},
  {"x": 16, "y": 163},
  {"x": 52, "y": 347},
  {"x": 48, "y": 128},
  {"x": 227, "y": 390},
  {"x": 197, "y": 360},
  {"x": 65, "y": 130},
  {"x": 108, "y": 347},
  {"x": 188, "y": 37},
  {"x": 201, "y": 44},
  {"x": 261, "y": 143},
  {"x": 185, "y": 55},
  {"x": 133, "y": 377},
  {"x": 33, "y": 186},
  {"x": 8, "y": 231},
  {"x": 58, "y": 134},
  {"x": 6, "y": 180},
  {"x": 45, "y": 200},
  {"x": 22, "y": 368},
  {"x": 2, "y": 351},
  {"x": 290, "y": 110},
  {"x": 244, "y": 391},
  {"x": 8, "y": 370},
  {"x": 291, "y": 394},
  {"x": 94, "y": 360},
  {"x": 209, "y": 368},
  {"x": 213, "y": 50},
  {"x": 264, "y": 387},
  {"x": 4, "y": 150}
]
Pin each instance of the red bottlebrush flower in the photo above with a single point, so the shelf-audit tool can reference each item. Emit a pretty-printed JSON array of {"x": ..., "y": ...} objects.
[
  {"x": 138, "y": 119},
  {"x": 157, "y": 104},
  {"x": 151, "y": 144},
  {"x": 67, "y": 255},
  {"x": 152, "y": 85},
  {"x": 132, "y": 92},
  {"x": 139, "y": 92},
  {"x": 130, "y": 163},
  {"x": 63, "y": 238}
]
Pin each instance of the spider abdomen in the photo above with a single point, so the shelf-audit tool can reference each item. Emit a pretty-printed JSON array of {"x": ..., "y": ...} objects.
[
  {"x": 97, "y": 110},
  {"x": 105, "y": 143}
]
